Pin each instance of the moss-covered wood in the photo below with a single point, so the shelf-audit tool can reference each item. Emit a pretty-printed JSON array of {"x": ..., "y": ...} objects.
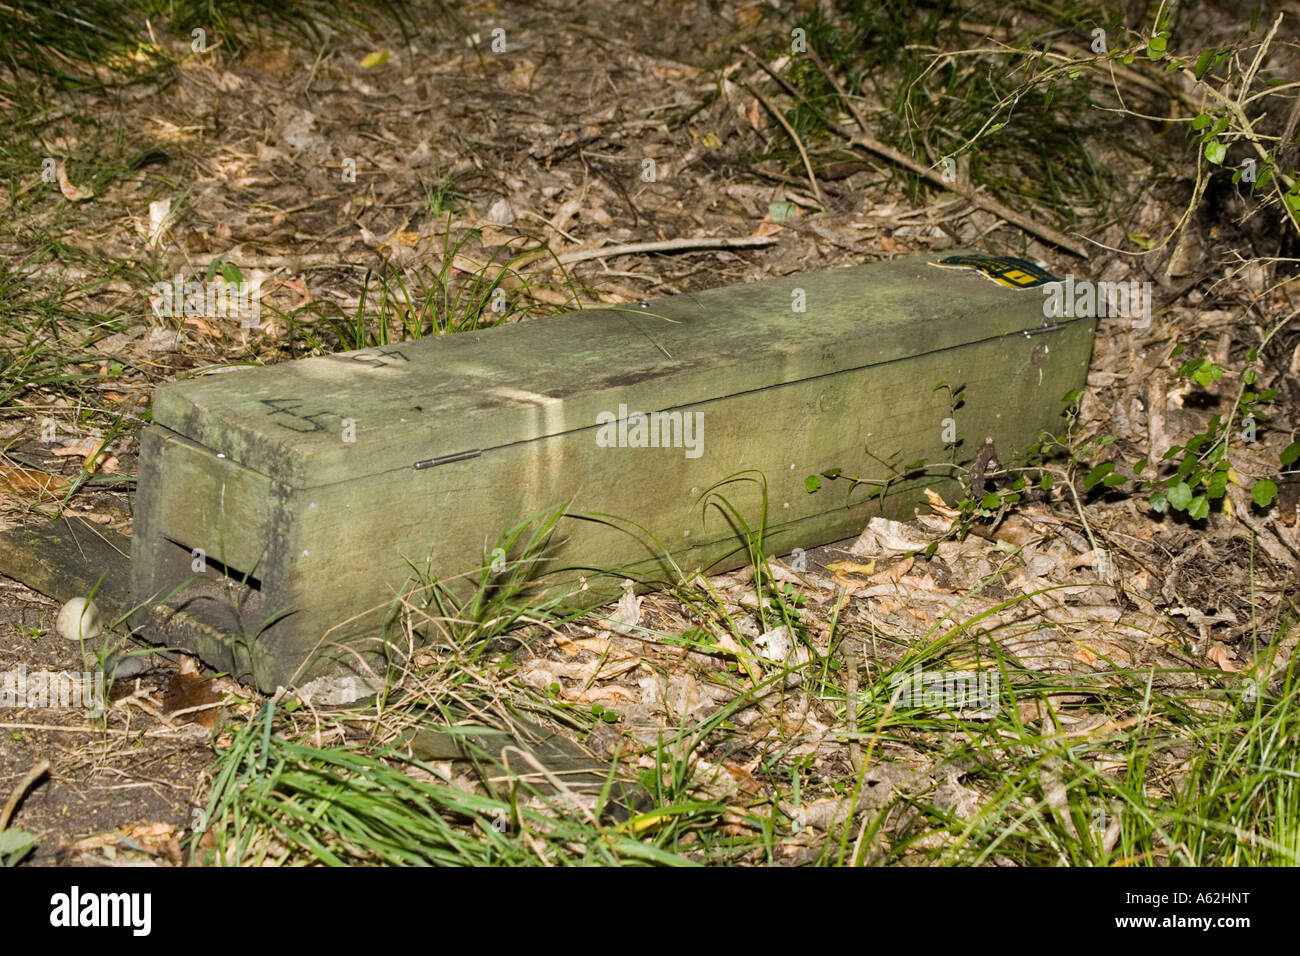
[{"x": 312, "y": 487}]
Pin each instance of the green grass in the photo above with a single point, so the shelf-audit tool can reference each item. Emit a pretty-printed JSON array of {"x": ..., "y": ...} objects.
[
  {"x": 1188, "y": 777},
  {"x": 1200, "y": 780},
  {"x": 397, "y": 305},
  {"x": 505, "y": 591},
  {"x": 276, "y": 802},
  {"x": 46, "y": 344},
  {"x": 1172, "y": 768},
  {"x": 85, "y": 44},
  {"x": 935, "y": 93},
  {"x": 458, "y": 293},
  {"x": 91, "y": 44}
]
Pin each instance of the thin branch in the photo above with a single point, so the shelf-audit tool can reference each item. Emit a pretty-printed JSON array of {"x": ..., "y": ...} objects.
[
  {"x": 1046, "y": 233},
  {"x": 974, "y": 196},
  {"x": 803, "y": 153},
  {"x": 37, "y": 771},
  {"x": 668, "y": 245}
]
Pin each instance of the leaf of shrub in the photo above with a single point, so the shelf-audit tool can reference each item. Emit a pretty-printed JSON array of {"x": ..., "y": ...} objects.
[
  {"x": 1179, "y": 495},
  {"x": 1098, "y": 473},
  {"x": 1263, "y": 492}
]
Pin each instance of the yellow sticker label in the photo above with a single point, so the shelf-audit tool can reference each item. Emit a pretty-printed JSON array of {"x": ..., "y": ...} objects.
[{"x": 1004, "y": 270}]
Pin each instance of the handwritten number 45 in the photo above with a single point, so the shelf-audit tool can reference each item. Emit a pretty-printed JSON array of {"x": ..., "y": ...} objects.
[{"x": 285, "y": 406}]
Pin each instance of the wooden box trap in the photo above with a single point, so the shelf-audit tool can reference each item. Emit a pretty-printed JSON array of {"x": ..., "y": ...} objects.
[{"x": 286, "y": 506}]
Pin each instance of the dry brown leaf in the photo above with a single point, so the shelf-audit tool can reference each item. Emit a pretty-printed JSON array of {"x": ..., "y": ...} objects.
[
  {"x": 549, "y": 296},
  {"x": 82, "y": 449},
  {"x": 599, "y": 645},
  {"x": 397, "y": 239},
  {"x": 893, "y": 573},
  {"x": 27, "y": 479},
  {"x": 727, "y": 643},
  {"x": 203, "y": 326},
  {"x": 278, "y": 61},
  {"x": 521, "y": 76},
  {"x": 568, "y": 209},
  {"x": 300, "y": 287},
  {"x": 566, "y": 645},
  {"x": 88, "y": 449},
  {"x": 1221, "y": 657},
  {"x": 605, "y": 693},
  {"x": 939, "y": 506},
  {"x": 850, "y": 586},
  {"x": 601, "y": 217},
  {"x": 927, "y": 583},
  {"x": 852, "y": 567},
  {"x": 627, "y": 613},
  {"x": 149, "y": 835},
  {"x": 191, "y": 694},
  {"x": 934, "y": 524},
  {"x": 71, "y": 192},
  {"x": 744, "y": 779},
  {"x": 159, "y": 210},
  {"x": 1085, "y": 560},
  {"x": 886, "y": 605},
  {"x": 884, "y": 534}
]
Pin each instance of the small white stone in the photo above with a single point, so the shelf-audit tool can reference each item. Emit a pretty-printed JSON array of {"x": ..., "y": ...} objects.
[
  {"x": 79, "y": 620},
  {"x": 775, "y": 645},
  {"x": 501, "y": 213}
]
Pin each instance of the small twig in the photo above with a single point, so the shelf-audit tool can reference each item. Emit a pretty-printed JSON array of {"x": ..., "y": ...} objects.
[
  {"x": 86, "y": 729},
  {"x": 195, "y": 709},
  {"x": 668, "y": 245},
  {"x": 1249, "y": 78},
  {"x": 1275, "y": 545},
  {"x": 790, "y": 88},
  {"x": 803, "y": 153},
  {"x": 1046, "y": 233},
  {"x": 870, "y": 143},
  {"x": 835, "y": 85},
  {"x": 1285, "y": 139},
  {"x": 1247, "y": 129},
  {"x": 24, "y": 784}
]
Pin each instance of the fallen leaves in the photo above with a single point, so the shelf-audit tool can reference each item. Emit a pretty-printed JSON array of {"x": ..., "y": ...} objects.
[
  {"x": 1221, "y": 657},
  {"x": 89, "y": 451},
  {"x": 203, "y": 326},
  {"x": 27, "y": 480},
  {"x": 70, "y": 192},
  {"x": 159, "y": 210},
  {"x": 150, "y": 839}
]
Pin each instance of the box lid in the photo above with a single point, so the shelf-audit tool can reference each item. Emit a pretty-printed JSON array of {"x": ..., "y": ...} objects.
[{"x": 331, "y": 418}]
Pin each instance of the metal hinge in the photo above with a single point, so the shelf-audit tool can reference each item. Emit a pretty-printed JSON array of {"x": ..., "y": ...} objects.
[{"x": 448, "y": 459}]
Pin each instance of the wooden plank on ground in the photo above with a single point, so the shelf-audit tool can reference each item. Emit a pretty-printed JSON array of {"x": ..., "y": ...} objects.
[{"x": 71, "y": 557}]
